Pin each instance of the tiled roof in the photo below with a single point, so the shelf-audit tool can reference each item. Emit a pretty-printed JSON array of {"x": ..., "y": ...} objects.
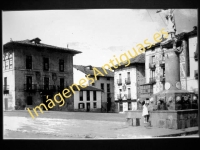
[
  {"x": 138, "y": 59},
  {"x": 179, "y": 37},
  {"x": 30, "y": 43},
  {"x": 85, "y": 70},
  {"x": 88, "y": 88}
]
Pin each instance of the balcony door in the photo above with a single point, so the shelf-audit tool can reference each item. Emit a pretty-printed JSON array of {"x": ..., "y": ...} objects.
[
  {"x": 62, "y": 83},
  {"x": 6, "y": 103},
  {"x": 29, "y": 82},
  {"x": 129, "y": 93},
  {"x": 128, "y": 76},
  {"x": 5, "y": 83},
  {"x": 46, "y": 83}
]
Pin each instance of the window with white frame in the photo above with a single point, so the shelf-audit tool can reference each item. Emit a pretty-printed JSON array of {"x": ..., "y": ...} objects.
[
  {"x": 7, "y": 61},
  {"x": 95, "y": 105}
]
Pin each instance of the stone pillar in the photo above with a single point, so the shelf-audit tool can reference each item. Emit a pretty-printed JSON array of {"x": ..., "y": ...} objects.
[{"x": 172, "y": 69}]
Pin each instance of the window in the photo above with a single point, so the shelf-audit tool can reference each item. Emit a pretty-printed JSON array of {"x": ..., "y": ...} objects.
[
  {"x": 108, "y": 78},
  {"x": 129, "y": 106},
  {"x": 29, "y": 100},
  {"x": 5, "y": 83},
  {"x": 81, "y": 95},
  {"x": 88, "y": 95},
  {"x": 108, "y": 87},
  {"x": 28, "y": 62},
  {"x": 129, "y": 93},
  {"x": 95, "y": 105},
  {"x": 6, "y": 64},
  {"x": 46, "y": 64},
  {"x": 152, "y": 74},
  {"x": 10, "y": 61},
  {"x": 163, "y": 72},
  {"x": 93, "y": 84},
  {"x": 28, "y": 82},
  {"x": 163, "y": 56},
  {"x": 120, "y": 76},
  {"x": 120, "y": 106},
  {"x": 81, "y": 106},
  {"x": 61, "y": 65},
  {"x": 94, "y": 95},
  {"x": 7, "y": 61},
  {"x": 46, "y": 83},
  {"x": 128, "y": 75},
  {"x": 102, "y": 86},
  {"x": 97, "y": 78},
  {"x": 62, "y": 81},
  {"x": 153, "y": 59}
]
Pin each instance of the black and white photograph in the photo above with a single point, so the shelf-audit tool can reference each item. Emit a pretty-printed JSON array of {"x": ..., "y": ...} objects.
[{"x": 87, "y": 74}]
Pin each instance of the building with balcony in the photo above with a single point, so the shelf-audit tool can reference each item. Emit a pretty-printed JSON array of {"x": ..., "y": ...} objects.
[
  {"x": 34, "y": 72},
  {"x": 155, "y": 66},
  {"x": 127, "y": 82},
  {"x": 105, "y": 83}
]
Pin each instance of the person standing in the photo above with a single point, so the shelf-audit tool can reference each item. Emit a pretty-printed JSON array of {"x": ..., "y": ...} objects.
[{"x": 145, "y": 112}]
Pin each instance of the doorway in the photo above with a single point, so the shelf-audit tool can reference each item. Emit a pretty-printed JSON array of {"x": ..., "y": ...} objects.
[
  {"x": 108, "y": 104},
  {"x": 120, "y": 107},
  {"x": 6, "y": 103},
  {"x": 44, "y": 98},
  {"x": 88, "y": 107}
]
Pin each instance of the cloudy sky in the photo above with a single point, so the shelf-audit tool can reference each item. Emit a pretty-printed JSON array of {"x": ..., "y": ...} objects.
[{"x": 98, "y": 33}]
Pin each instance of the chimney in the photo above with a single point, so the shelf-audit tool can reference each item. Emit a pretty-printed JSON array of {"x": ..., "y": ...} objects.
[{"x": 36, "y": 40}]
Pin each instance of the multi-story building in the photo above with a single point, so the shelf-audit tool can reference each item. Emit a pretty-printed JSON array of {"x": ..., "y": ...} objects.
[
  {"x": 33, "y": 72},
  {"x": 105, "y": 83},
  {"x": 155, "y": 66},
  {"x": 127, "y": 83},
  {"x": 88, "y": 99}
]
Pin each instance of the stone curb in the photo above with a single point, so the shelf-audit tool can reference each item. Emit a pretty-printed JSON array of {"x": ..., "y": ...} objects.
[{"x": 179, "y": 134}]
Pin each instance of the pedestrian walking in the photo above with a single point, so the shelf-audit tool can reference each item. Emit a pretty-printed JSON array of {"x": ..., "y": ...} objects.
[{"x": 145, "y": 112}]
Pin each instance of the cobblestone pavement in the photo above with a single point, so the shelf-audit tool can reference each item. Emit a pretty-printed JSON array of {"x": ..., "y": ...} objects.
[{"x": 84, "y": 126}]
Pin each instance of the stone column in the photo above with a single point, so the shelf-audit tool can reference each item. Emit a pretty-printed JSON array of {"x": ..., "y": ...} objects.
[{"x": 172, "y": 69}]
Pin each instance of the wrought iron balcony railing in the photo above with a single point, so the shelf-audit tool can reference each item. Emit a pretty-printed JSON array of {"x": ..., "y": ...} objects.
[
  {"x": 5, "y": 89},
  {"x": 60, "y": 88},
  {"x": 30, "y": 87},
  {"x": 146, "y": 91},
  {"x": 128, "y": 81},
  {"x": 119, "y": 81},
  {"x": 119, "y": 96},
  {"x": 47, "y": 88},
  {"x": 128, "y": 96},
  {"x": 152, "y": 66},
  {"x": 152, "y": 80},
  {"x": 162, "y": 63},
  {"x": 162, "y": 78}
]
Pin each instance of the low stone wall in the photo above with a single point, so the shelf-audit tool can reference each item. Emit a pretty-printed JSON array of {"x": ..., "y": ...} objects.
[
  {"x": 172, "y": 119},
  {"x": 91, "y": 110}
]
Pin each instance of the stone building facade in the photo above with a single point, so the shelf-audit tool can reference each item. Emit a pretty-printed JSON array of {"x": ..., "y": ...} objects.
[
  {"x": 34, "y": 72},
  {"x": 155, "y": 66},
  {"x": 127, "y": 82},
  {"x": 105, "y": 83},
  {"x": 88, "y": 99}
]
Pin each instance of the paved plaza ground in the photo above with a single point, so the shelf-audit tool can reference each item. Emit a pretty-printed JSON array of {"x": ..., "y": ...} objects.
[{"x": 81, "y": 125}]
